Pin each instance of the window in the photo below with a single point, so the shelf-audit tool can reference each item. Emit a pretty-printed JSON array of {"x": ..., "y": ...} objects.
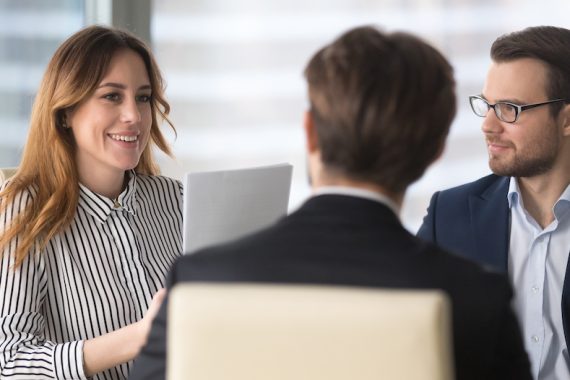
[
  {"x": 234, "y": 72},
  {"x": 30, "y": 32}
]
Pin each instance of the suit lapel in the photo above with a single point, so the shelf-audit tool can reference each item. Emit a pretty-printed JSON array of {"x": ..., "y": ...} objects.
[{"x": 490, "y": 220}]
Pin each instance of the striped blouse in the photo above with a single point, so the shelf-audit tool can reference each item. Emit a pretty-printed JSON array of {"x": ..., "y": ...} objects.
[{"x": 95, "y": 277}]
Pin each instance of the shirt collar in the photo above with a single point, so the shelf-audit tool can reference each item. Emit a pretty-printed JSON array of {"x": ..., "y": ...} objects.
[
  {"x": 562, "y": 205},
  {"x": 101, "y": 207},
  {"x": 513, "y": 195},
  {"x": 560, "y": 208},
  {"x": 360, "y": 193}
]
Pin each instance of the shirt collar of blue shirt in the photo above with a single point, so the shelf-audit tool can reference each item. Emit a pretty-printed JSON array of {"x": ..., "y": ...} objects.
[{"x": 560, "y": 208}]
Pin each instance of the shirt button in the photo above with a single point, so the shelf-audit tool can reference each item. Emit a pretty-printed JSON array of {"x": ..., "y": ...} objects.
[
  {"x": 535, "y": 289},
  {"x": 535, "y": 338}
]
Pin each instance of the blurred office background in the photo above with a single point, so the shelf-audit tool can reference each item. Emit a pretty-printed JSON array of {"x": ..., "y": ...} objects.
[{"x": 234, "y": 71}]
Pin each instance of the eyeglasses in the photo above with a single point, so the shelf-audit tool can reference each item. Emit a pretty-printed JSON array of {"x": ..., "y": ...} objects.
[{"x": 505, "y": 111}]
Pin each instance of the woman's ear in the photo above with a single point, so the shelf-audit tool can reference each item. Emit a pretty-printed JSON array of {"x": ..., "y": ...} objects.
[{"x": 63, "y": 119}]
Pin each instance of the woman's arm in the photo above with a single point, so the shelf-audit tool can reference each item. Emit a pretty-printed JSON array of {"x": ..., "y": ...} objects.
[
  {"x": 25, "y": 353},
  {"x": 120, "y": 346}
]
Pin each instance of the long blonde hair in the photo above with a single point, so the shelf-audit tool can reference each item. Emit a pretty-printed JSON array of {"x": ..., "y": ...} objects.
[{"x": 48, "y": 163}]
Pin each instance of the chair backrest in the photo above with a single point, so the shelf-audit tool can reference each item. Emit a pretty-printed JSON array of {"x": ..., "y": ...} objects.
[
  {"x": 290, "y": 332},
  {"x": 6, "y": 173}
]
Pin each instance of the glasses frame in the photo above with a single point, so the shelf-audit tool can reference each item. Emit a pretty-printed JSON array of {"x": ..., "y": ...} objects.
[{"x": 518, "y": 108}]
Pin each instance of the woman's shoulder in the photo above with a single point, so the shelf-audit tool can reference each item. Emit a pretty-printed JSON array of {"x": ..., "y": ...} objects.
[
  {"x": 22, "y": 196},
  {"x": 158, "y": 180},
  {"x": 151, "y": 184}
]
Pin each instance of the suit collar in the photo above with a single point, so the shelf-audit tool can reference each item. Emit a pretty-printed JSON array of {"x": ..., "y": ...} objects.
[
  {"x": 348, "y": 208},
  {"x": 359, "y": 193}
]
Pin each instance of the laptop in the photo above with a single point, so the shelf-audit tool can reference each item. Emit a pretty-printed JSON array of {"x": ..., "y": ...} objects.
[{"x": 224, "y": 205}]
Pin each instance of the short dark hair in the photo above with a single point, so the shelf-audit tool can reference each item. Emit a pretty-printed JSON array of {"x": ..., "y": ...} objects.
[
  {"x": 382, "y": 104},
  {"x": 549, "y": 44}
]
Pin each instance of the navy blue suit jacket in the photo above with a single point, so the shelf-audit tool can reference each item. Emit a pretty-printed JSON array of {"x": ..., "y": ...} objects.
[
  {"x": 343, "y": 240},
  {"x": 473, "y": 221}
]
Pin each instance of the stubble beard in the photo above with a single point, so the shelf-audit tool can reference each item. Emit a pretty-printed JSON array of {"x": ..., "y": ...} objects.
[{"x": 536, "y": 160}]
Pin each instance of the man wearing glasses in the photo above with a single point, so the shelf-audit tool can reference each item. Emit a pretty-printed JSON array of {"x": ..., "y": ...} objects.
[{"x": 517, "y": 220}]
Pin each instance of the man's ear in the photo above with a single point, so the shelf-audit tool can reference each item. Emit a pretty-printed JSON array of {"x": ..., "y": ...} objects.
[
  {"x": 310, "y": 132},
  {"x": 565, "y": 115}
]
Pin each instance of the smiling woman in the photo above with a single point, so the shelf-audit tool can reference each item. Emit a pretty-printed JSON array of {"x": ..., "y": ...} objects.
[
  {"x": 112, "y": 126},
  {"x": 87, "y": 227}
]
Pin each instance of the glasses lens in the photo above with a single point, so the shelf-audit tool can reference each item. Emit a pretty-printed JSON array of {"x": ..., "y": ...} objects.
[
  {"x": 480, "y": 107},
  {"x": 506, "y": 112}
]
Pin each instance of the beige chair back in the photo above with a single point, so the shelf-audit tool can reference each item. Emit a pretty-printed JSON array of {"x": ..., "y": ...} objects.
[
  {"x": 290, "y": 332},
  {"x": 6, "y": 173}
]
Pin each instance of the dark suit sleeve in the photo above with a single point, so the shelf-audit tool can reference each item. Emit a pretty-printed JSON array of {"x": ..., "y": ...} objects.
[
  {"x": 427, "y": 229},
  {"x": 150, "y": 364}
]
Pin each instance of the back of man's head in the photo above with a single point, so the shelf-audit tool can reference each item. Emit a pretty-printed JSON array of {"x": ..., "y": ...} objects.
[
  {"x": 382, "y": 104},
  {"x": 549, "y": 44}
]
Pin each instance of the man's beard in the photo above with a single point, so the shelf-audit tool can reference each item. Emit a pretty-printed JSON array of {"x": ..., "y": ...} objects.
[{"x": 537, "y": 160}]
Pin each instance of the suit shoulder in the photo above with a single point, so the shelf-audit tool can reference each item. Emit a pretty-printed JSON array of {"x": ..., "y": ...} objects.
[
  {"x": 257, "y": 246},
  {"x": 462, "y": 270},
  {"x": 451, "y": 203}
]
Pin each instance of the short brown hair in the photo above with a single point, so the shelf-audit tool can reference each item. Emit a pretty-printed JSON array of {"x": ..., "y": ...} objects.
[
  {"x": 549, "y": 44},
  {"x": 382, "y": 104}
]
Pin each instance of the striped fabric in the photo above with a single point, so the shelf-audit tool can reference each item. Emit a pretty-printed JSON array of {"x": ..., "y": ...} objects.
[{"x": 95, "y": 277}]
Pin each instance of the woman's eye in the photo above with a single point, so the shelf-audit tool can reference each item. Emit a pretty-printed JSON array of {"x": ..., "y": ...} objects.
[
  {"x": 112, "y": 97},
  {"x": 144, "y": 98}
]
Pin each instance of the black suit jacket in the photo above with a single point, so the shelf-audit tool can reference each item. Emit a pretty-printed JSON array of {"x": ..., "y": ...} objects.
[
  {"x": 473, "y": 220},
  {"x": 343, "y": 240}
]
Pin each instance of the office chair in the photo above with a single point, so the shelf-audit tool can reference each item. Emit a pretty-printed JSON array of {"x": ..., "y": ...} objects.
[{"x": 290, "y": 332}]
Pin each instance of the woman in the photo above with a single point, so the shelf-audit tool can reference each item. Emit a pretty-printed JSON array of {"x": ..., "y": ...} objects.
[{"x": 87, "y": 229}]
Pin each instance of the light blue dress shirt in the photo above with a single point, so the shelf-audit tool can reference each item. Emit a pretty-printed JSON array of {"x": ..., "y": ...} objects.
[{"x": 537, "y": 266}]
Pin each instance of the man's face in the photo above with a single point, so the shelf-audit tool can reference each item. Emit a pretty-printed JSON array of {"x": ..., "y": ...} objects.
[{"x": 530, "y": 146}]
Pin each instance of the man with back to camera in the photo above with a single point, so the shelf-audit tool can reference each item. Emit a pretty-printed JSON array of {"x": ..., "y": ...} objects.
[
  {"x": 362, "y": 125},
  {"x": 517, "y": 220}
]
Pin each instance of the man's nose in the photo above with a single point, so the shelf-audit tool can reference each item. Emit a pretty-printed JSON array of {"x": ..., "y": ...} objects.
[{"x": 491, "y": 123}]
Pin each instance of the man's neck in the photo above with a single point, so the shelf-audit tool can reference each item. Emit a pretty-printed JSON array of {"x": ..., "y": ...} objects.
[
  {"x": 396, "y": 198},
  {"x": 540, "y": 193}
]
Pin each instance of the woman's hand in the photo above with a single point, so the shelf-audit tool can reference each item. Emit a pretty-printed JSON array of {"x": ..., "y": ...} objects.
[
  {"x": 120, "y": 346},
  {"x": 145, "y": 324}
]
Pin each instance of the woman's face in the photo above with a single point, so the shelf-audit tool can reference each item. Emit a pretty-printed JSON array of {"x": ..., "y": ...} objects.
[{"x": 111, "y": 127}]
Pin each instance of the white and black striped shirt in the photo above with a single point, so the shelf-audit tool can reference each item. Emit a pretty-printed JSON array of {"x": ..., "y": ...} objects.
[{"x": 95, "y": 277}]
